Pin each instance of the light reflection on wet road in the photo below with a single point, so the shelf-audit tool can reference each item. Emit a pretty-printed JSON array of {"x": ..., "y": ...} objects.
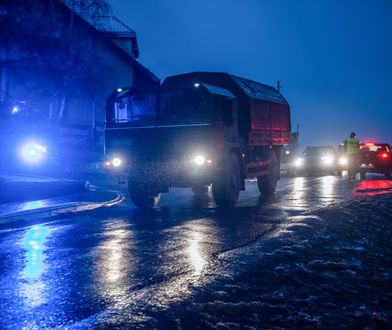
[
  {"x": 33, "y": 288},
  {"x": 118, "y": 264}
]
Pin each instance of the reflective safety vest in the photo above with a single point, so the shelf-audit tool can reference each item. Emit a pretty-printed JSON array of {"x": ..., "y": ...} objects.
[{"x": 352, "y": 146}]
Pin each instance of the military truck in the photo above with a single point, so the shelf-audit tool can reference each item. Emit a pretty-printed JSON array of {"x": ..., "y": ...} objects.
[{"x": 197, "y": 130}]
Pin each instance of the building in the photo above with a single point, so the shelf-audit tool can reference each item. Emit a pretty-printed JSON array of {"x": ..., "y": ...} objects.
[{"x": 57, "y": 69}]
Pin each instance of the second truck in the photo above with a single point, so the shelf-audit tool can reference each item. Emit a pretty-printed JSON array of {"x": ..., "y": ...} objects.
[{"x": 195, "y": 130}]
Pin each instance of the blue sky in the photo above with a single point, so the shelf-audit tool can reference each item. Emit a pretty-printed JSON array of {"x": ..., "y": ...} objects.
[{"x": 333, "y": 58}]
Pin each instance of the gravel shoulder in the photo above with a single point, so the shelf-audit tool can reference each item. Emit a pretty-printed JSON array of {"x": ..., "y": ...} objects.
[{"x": 331, "y": 268}]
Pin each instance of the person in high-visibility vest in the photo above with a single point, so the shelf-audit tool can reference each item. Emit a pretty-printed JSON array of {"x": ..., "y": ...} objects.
[{"x": 352, "y": 153}]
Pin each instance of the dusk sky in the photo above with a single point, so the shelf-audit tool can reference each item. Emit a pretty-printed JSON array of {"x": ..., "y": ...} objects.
[{"x": 333, "y": 58}]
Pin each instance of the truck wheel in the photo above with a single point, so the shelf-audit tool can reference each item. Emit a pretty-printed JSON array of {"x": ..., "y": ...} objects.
[
  {"x": 142, "y": 197},
  {"x": 226, "y": 189},
  {"x": 145, "y": 201},
  {"x": 267, "y": 183},
  {"x": 200, "y": 190}
]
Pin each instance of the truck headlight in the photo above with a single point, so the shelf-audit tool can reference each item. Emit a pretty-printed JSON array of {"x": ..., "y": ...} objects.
[
  {"x": 199, "y": 160},
  {"x": 116, "y": 162}
]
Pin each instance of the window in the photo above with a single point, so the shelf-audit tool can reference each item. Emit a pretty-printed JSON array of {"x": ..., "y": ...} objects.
[
  {"x": 184, "y": 107},
  {"x": 372, "y": 148},
  {"x": 138, "y": 109}
]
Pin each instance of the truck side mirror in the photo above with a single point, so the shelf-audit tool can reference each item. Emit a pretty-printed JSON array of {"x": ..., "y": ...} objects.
[{"x": 227, "y": 112}]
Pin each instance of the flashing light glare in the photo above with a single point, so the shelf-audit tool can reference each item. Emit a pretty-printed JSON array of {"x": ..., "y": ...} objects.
[
  {"x": 119, "y": 90},
  {"x": 327, "y": 160},
  {"x": 15, "y": 109},
  {"x": 116, "y": 162},
  {"x": 384, "y": 155},
  {"x": 343, "y": 161},
  {"x": 298, "y": 162},
  {"x": 196, "y": 85},
  {"x": 33, "y": 152},
  {"x": 287, "y": 152},
  {"x": 369, "y": 144},
  {"x": 199, "y": 160}
]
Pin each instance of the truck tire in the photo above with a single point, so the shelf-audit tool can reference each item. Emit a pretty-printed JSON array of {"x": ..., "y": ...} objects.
[
  {"x": 145, "y": 200},
  {"x": 141, "y": 197},
  {"x": 200, "y": 190},
  {"x": 226, "y": 188},
  {"x": 267, "y": 183}
]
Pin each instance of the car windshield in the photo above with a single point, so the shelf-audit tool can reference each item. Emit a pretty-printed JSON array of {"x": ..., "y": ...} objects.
[
  {"x": 317, "y": 152},
  {"x": 372, "y": 148}
]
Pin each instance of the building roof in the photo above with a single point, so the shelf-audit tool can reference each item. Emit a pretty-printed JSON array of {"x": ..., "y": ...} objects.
[
  {"x": 106, "y": 25},
  {"x": 111, "y": 24}
]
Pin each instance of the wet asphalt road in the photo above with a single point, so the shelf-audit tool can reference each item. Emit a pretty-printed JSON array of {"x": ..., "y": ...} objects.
[{"x": 120, "y": 265}]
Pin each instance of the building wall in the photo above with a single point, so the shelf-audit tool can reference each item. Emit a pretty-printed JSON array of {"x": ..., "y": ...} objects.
[{"x": 58, "y": 67}]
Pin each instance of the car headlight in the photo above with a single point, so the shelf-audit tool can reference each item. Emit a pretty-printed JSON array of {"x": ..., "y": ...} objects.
[
  {"x": 299, "y": 162},
  {"x": 343, "y": 161},
  {"x": 327, "y": 160}
]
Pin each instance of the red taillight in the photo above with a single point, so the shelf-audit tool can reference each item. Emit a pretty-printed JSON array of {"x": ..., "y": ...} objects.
[{"x": 384, "y": 155}]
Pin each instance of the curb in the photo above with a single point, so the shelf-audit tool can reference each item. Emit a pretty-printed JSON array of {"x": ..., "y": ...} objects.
[
  {"x": 24, "y": 191},
  {"x": 51, "y": 211}
]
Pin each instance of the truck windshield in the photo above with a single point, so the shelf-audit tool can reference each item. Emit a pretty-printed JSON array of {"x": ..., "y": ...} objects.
[
  {"x": 184, "y": 107},
  {"x": 134, "y": 110}
]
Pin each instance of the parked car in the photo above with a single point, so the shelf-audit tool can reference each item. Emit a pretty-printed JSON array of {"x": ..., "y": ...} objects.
[
  {"x": 319, "y": 159},
  {"x": 375, "y": 158}
]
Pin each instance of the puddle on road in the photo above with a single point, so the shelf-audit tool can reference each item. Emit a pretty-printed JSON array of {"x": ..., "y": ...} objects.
[{"x": 373, "y": 187}]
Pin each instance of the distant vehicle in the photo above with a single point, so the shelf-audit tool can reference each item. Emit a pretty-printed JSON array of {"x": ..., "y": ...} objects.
[
  {"x": 342, "y": 159},
  {"x": 319, "y": 159},
  {"x": 197, "y": 129},
  {"x": 375, "y": 158}
]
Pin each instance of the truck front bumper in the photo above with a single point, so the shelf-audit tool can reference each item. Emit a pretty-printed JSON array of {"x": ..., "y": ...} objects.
[{"x": 172, "y": 173}]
